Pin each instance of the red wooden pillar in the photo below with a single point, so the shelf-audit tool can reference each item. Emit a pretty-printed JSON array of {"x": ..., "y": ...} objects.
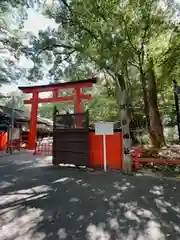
[
  {"x": 78, "y": 107},
  {"x": 33, "y": 122},
  {"x": 77, "y": 102},
  {"x": 55, "y": 93}
]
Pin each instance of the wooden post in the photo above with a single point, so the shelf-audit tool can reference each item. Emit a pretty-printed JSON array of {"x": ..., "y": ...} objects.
[{"x": 127, "y": 160}]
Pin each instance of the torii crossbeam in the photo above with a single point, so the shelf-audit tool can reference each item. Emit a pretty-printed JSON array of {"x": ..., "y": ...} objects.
[{"x": 55, "y": 89}]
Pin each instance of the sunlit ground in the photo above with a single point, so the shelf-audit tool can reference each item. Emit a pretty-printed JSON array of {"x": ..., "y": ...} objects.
[{"x": 38, "y": 201}]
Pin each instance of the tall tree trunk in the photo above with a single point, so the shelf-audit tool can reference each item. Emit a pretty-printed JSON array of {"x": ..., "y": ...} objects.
[
  {"x": 145, "y": 98},
  {"x": 157, "y": 135},
  {"x": 122, "y": 101},
  {"x": 153, "y": 120}
]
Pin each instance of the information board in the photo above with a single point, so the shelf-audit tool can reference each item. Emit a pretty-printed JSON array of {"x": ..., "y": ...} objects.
[{"x": 104, "y": 128}]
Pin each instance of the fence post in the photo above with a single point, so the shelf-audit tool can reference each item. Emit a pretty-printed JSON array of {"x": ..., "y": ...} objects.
[{"x": 87, "y": 119}]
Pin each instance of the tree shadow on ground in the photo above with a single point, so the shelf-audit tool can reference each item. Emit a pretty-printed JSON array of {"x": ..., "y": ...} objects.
[{"x": 38, "y": 201}]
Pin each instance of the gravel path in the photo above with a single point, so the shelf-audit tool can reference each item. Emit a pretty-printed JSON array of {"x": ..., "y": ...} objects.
[{"x": 38, "y": 201}]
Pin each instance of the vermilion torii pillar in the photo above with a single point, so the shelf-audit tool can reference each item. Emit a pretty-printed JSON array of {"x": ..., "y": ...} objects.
[{"x": 55, "y": 89}]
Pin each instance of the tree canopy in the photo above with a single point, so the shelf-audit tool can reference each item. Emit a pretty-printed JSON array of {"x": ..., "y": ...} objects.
[
  {"x": 130, "y": 42},
  {"x": 130, "y": 45}
]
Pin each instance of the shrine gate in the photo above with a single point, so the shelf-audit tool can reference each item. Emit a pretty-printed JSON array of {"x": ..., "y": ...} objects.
[{"x": 56, "y": 89}]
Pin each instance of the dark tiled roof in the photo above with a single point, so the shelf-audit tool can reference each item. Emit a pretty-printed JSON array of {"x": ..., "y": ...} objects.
[{"x": 20, "y": 115}]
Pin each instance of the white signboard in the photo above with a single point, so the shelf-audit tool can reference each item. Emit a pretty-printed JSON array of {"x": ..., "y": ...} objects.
[{"x": 104, "y": 128}]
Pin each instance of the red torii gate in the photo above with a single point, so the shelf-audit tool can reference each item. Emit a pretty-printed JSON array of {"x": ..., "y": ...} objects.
[{"x": 55, "y": 89}]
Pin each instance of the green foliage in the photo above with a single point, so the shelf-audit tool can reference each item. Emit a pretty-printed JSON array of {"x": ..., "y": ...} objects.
[
  {"x": 11, "y": 23},
  {"x": 103, "y": 108},
  {"x": 98, "y": 35},
  {"x": 46, "y": 109},
  {"x": 170, "y": 60},
  {"x": 15, "y": 102},
  {"x": 13, "y": 13}
]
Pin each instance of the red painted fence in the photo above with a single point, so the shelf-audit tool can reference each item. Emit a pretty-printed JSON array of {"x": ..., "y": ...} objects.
[{"x": 114, "y": 150}]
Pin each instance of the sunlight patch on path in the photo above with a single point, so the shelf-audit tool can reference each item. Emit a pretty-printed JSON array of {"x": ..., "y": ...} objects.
[{"x": 16, "y": 225}]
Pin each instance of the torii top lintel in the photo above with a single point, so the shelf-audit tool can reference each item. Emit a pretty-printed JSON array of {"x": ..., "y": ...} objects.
[{"x": 65, "y": 85}]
